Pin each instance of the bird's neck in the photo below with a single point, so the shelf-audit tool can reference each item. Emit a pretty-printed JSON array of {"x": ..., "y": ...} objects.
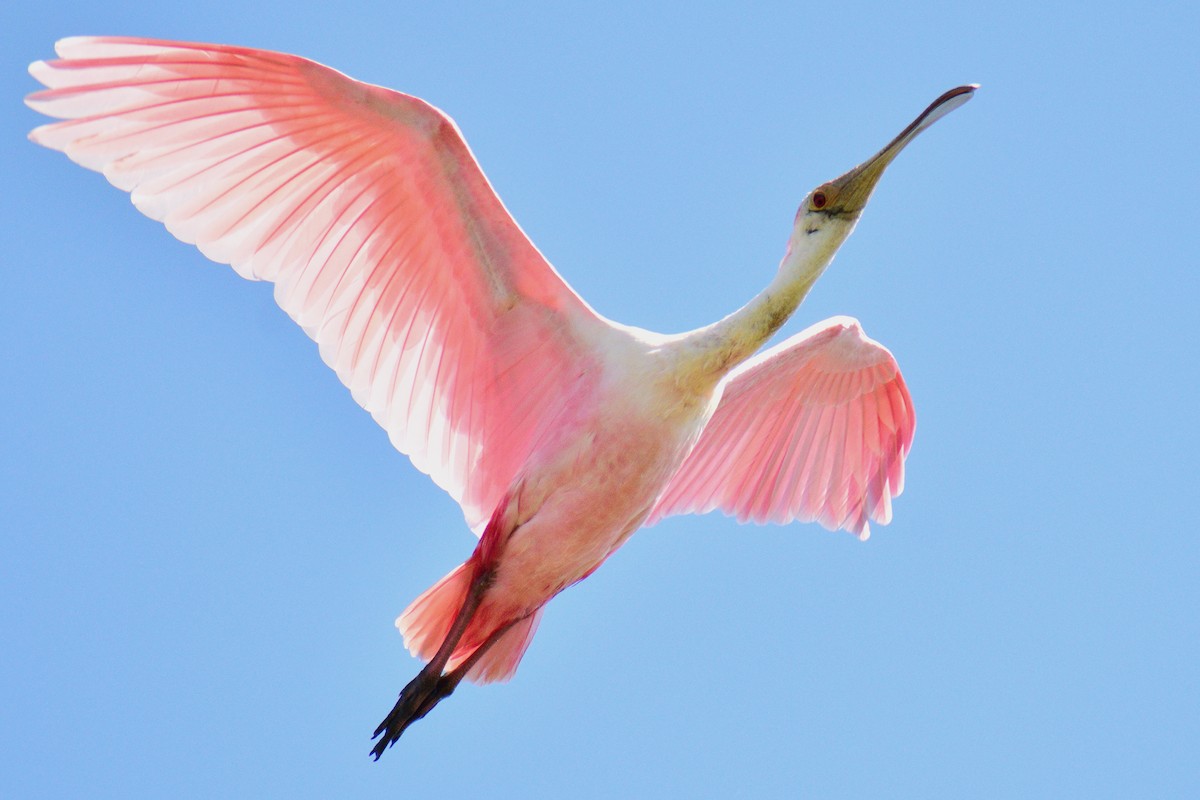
[{"x": 706, "y": 355}]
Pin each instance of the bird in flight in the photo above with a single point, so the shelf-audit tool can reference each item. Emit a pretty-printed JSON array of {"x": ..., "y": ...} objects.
[{"x": 558, "y": 431}]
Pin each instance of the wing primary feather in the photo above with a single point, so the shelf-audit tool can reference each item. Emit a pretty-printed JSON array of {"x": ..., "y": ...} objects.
[
  {"x": 331, "y": 185},
  {"x": 356, "y": 264},
  {"x": 742, "y": 452},
  {"x": 791, "y": 434},
  {"x": 777, "y": 463},
  {"x": 334, "y": 253},
  {"x": 356, "y": 312},
  {"x": 289, "y": 150}
]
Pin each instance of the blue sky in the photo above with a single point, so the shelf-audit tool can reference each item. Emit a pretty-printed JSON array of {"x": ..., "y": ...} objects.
[{"x": 205, "y": 541}]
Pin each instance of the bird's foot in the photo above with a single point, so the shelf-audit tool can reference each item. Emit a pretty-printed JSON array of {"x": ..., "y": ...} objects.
[{"x": 416, "y": 700}]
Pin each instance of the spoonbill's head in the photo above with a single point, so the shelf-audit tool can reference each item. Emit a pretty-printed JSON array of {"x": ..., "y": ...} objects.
[{"x": 830, "y": 211}]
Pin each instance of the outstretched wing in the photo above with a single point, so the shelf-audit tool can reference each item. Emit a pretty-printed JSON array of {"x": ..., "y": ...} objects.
[
  {"x": 367, "y": 210},
  {"x": 815, "y": 428}
]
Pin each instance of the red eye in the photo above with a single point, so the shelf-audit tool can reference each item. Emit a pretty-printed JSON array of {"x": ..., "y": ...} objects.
[{"x": 818, "y": 200}]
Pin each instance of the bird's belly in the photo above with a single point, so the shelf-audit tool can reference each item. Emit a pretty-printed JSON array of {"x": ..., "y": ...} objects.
[{"x": 588, "y": 502}]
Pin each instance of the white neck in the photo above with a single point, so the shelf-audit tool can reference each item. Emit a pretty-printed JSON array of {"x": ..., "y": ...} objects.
[{"x": 703, "y": 356}]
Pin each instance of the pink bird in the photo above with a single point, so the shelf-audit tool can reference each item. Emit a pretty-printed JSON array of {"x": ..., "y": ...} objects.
[{"x": 558, "y": 431}]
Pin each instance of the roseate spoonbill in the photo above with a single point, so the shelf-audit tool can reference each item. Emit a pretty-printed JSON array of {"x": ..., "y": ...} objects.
[{"x": 559, "y": 432}]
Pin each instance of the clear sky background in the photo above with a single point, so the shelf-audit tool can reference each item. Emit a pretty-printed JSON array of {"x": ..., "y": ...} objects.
[{"x": 205, "y": 541}]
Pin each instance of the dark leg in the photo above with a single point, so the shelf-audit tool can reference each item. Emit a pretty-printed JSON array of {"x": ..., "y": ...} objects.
[
  {"x": 423, "y": 693},
  {"x": 450, "y": 681},
  {"x": 413, "y": 703}
]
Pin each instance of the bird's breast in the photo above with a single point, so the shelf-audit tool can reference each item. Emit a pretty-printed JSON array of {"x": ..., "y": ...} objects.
[{"x": 589, "y": 489}]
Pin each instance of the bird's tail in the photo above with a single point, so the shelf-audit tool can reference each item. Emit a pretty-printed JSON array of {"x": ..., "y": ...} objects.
[
  {"x": 426, "y": 622},
  {"x": 500, "y": 661}
]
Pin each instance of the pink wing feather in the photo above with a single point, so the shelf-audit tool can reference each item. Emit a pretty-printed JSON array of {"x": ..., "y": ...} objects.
[
  {"x": 814, "y": 429},
  {"x": 367, "y": 210}
]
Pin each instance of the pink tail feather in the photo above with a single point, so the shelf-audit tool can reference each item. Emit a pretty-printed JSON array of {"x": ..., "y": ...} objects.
[
  {"x": 500, "y": 662},
  {"x": 425, "y": 623},
  {"x": 427, "y": 620}
]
